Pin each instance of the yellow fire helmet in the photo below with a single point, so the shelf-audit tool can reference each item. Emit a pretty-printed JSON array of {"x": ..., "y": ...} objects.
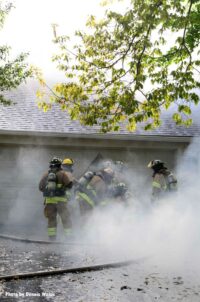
[{"x": 68, "y": 161}]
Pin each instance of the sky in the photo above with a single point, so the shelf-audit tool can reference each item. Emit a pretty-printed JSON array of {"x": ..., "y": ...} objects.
[{"x": 28, "y": 27}]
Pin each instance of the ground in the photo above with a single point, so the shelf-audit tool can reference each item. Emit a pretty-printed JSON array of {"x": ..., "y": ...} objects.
[{"x": 144, "y": 280}]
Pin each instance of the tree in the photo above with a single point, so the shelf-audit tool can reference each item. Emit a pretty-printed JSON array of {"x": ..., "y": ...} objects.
[
  {"x": 128, "y": 67},
  {"x": 12, "y": 71}
]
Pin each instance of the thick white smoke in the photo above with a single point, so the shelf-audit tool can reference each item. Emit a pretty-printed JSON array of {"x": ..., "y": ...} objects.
[{"x": 168, "y": 231}]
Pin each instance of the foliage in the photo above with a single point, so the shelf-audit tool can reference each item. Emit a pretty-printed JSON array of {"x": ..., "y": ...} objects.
[
  {"x": 12, "y": 71},
  {"x": 128, "y": 67}
]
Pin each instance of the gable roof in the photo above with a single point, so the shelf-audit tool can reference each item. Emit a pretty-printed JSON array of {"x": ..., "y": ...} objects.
[{"x": 26, "y": 117}]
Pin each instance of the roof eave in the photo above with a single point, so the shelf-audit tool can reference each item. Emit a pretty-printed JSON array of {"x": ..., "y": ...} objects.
[{"x": 105, "y": 136}]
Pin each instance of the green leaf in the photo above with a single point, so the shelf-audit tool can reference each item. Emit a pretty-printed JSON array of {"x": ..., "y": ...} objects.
[{"x": 120, "y": 71}]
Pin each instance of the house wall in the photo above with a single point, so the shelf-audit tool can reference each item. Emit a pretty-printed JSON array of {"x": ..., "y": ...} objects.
[{"x": 23, "y": 160}]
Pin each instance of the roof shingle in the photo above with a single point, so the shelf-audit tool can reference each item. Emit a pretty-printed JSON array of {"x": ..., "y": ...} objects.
[{"x": 26, "y": 116}]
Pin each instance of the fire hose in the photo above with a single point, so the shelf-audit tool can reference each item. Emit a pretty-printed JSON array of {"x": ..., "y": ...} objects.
[
  {"x": 76, "y": 270},
  {"x": 14, "y": 238}
]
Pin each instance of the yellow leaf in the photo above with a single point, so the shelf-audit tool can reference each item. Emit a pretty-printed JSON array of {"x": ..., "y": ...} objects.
[
  {"x": 41, "y": 81},
  {"x": 39, "y": 94}
]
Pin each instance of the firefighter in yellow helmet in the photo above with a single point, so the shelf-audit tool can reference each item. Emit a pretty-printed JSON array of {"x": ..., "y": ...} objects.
[
  {"x": 54, "y": 185},
  {"x": 68, "y": 165},
  {"x": 163, "y": 180}
]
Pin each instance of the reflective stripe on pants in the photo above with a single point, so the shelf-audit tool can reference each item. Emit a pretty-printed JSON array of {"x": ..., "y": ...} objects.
[
  {"x": 51, "y": 231},
  {"x": 156, "y": 185},
  {"x": 67, "y": 231}
]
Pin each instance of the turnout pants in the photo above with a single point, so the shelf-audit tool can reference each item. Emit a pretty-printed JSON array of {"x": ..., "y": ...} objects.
[{"x": 51, "y": 210}]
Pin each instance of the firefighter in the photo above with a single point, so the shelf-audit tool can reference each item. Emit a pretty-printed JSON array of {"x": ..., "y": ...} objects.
[
  {"x": 121, "y": 190},
  {"x": 119, "y": 193},
  {"x": 68, "y": 165},
  {"x": 54, "y": 185},
  {"x": 119, "y": 169},
  {"x": 119, "y": 166},
  {"x": 93, "y": 190},
  {"x": 163, "y": 180},
  {"x": 102, "y": 184}
]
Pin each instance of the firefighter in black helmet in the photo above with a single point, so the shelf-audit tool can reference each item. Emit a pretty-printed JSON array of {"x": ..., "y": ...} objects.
[
  {"x": 54, "y": 184},
  {"x": 163, "y": 180}
]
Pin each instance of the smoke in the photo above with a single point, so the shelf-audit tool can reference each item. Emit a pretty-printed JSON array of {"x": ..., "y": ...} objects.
[
  {"x": 24, "y": 202},
  {"x": 167, "y": 232}
]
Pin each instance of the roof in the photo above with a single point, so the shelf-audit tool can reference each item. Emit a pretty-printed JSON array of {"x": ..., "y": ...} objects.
[{"x": 26, "y": 117}]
